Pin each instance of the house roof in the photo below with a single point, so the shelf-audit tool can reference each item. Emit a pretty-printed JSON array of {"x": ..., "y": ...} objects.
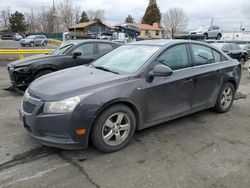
[
  {"x": 85, "y": 24},
  {"x": 146, "y": 26}
]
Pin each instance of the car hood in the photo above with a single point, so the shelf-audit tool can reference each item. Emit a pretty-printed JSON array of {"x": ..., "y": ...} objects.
[
  {"x": 72, "y": 82},
  {"x": 28, "y": 60}
]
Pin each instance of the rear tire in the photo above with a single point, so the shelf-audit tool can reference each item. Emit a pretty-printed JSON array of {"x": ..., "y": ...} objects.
[
  {"x": 42, "y": 73},
  {"x": 225, "y": 98},
  {"x": 113, "y": 129}
]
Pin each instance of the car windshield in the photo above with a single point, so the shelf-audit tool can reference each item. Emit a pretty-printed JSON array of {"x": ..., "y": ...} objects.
[
  {"x": 62, "y": 49},
  {"x": 126, "y": 59},
  {"x": 30, "y": 37}
]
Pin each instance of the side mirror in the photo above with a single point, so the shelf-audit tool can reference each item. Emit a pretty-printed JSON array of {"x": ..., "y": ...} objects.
[
  {"x": 160, "y": 70},
  {"x": 226, "y": 51},
  {"x": 76, "y": 54}
]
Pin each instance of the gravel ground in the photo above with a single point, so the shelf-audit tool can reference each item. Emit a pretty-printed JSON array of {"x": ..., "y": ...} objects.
[{"x": 205, "y": 149}]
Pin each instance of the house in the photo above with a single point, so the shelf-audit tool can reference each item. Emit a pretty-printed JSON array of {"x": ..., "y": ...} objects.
[
  {"x": 149, "y": 31},
  {"x": 85, "y": 29}
]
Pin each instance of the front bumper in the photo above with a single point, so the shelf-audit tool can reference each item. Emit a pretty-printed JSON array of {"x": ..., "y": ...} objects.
[
  {"x": 19, "y": 79},
  {"x": 55, "y": 130}
]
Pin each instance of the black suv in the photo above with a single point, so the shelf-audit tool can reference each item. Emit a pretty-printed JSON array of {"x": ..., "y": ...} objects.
[
  {"x": 72, "y": 53},
  {"x": 234, "y": 51}
]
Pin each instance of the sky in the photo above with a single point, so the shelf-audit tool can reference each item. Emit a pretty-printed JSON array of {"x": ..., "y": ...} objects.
[{"x": 228, "y": 14}]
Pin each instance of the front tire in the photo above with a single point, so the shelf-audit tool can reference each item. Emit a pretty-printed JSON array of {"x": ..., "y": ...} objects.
[
  {"x": 218, "y": 37},
  {"x": 113, "y": 129},
  {"x": 32, "y": 44},
  {"x": 225, "y": 98}
]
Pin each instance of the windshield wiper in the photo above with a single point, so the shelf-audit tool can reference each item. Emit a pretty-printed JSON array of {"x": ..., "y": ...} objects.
[{"x": 105, "y": 69}]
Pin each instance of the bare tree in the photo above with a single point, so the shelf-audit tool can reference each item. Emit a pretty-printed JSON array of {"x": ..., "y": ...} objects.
[
  {"x": 77, "y": 14},
  {"x": 46, "y": 20},
  {"x": 174, "y": 20},
  {"x": 4, "y": 17},
  {"x": 66, "y": 14},
  {"x": 96, "y": 15}
]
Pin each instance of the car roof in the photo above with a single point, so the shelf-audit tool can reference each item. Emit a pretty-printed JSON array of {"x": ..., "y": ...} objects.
[
  {"x": 163, "y": 42},
  {"x": 90, "y": 40},
  {"x": 159, "y": 42}
]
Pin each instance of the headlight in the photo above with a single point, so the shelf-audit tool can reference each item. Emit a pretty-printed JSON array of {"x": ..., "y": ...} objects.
[
  {"x": 23, "y": 69},
  {"x": 62, "y": 106}
]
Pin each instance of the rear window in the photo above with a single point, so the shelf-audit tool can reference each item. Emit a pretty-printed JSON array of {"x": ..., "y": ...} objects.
[{"x": 217, "y": 56}]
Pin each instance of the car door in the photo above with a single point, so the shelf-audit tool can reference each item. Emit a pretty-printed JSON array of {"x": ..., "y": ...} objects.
[
  {"x": 88, "y": 53},
  {"x": 207, "y": 75},
  {"x": 103, "y": 48},
  {"x": 37, "y": 40},
  {"x": 170, "y": 95}
]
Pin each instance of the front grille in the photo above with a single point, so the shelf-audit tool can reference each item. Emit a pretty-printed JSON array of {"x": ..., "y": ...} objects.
[{"x": 28, "y": 107}]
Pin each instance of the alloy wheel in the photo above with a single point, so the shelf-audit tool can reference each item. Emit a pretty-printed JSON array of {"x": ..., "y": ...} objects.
[
  {"x": 116, "y": 129},
  {"x": 226, "y": 97}
]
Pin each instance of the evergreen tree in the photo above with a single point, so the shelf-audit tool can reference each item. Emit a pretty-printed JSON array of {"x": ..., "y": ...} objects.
[
  {"x": 84, "y": 17},
  {"x": 129, "y": 19},
  {"x": 17, "y": 22},
  {"x": 152, "y": 13}
]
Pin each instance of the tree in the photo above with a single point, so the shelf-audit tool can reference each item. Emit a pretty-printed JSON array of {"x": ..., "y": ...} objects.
[
  {"x": 5, "y": 17},
  {"x": 129, "y": 19},
  {"x": 76, "y": 13},
  {"x": 84, "y": 17},
  {"x": 152, "y": 14},
  {"x": 66, "y": 13},
  {"x": 47, "y": 20},
  {"x": 17, "y": 22},
  {"x": 97, "y": 15},
  {"x": 174, "y": 20}
]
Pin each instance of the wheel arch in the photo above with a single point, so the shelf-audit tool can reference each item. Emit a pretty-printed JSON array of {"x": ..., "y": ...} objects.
[{"x": 127, "y": 103}]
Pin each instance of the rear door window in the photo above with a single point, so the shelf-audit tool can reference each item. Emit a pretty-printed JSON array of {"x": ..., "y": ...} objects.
[
  {"x": 217, "y": 56},
  {"x": 202, "y": 54},
  {"x": 86, "y": 49},
  {"x": 104, "y": 48}
]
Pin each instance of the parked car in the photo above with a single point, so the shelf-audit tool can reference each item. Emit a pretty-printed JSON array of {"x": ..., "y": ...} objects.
[
  {"x": 234, "y": 51},
  {"x": 135, "y": 86},
  {"x": 34, "y": 40},
  {"x": 17, "y": 37},
  {"x": 22, "y": 72},
  {"x": 246, "y": 47},
  {"x": 206, "y": 32}
]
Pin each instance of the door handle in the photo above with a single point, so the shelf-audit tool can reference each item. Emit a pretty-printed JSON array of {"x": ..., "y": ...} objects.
[{"x": 188, "y": 80}]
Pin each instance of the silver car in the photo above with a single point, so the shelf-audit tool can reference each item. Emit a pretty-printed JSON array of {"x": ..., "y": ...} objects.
[
  {"x": 34, "y": 40},
  {"x": 206, "y": 32}
]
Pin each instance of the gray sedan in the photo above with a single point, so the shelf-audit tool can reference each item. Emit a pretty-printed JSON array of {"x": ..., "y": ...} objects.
[{"x": 133, "y": 87}]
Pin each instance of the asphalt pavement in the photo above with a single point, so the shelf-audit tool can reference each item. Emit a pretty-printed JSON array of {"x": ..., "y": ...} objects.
[{"x": 205, "y": 149}]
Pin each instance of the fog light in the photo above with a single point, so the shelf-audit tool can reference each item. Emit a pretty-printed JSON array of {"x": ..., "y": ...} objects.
[{"x": 81, "y": 131}]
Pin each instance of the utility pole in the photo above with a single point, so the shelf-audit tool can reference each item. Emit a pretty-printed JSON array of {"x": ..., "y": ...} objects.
[
  {"x": 212, "y": 21},
  {"x": 241, "y": 23},
  {"x": 54, "y": 18}
]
